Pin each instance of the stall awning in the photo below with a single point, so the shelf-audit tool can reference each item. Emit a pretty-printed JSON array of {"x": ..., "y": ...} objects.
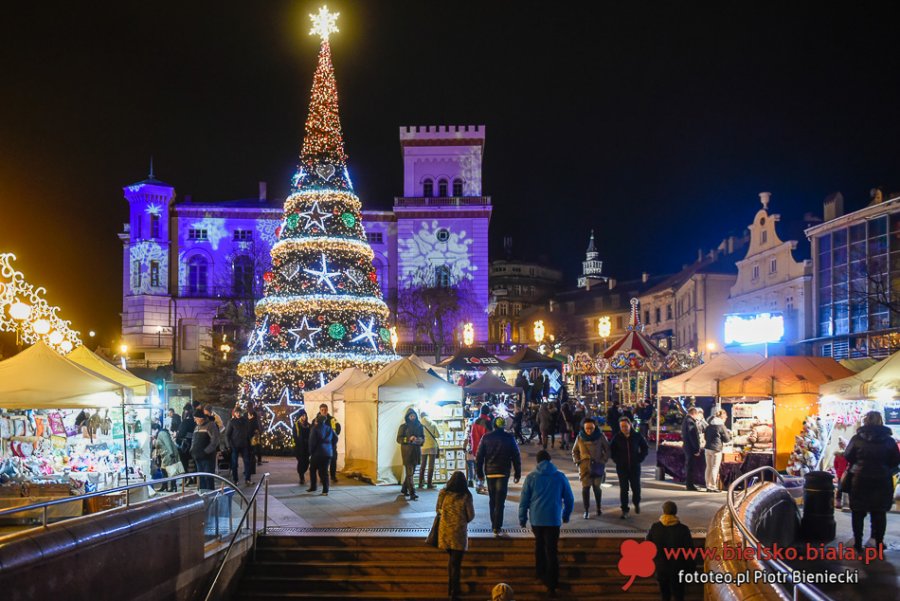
[
  {"x": 423, "y": 364},
  {"x": 878, "y": 382},
  {"x": 857, "y": 365},
  {"x": 334, "y": 390},
  {"x": 704, "y": 379},
  {"x": 402, "y": 382},
  {"x": 41, "y": 378},
  {"x": 777, "y": 376},
  {"x": 475, "y": 357},
  {"x": 87, "y": 358},
  {"x": 528, "y": 358},
  {"x": 491, "y": 384}
]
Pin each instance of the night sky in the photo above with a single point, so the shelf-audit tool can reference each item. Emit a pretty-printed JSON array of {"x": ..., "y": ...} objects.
[{"x": 655, "y": 124}]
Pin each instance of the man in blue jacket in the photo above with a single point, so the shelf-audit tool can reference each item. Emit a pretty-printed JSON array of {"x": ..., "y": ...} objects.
[{"x": 547, "y": 497}]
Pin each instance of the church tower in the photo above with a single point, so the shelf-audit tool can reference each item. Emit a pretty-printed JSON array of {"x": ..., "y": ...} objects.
[{"x": 591, "y": 267}]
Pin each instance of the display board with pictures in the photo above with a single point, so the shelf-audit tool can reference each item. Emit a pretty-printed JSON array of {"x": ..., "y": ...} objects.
[{"x": 451, "y": 439}]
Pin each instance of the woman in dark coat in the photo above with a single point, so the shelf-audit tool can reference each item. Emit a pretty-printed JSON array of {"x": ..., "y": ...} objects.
[
  {"x": 300, "y": 434},
  {"x": 873, "y": 457},
  {"x": 456, "y": 509},
  {"x": 185, "y": 435},
  {"x": 411, "y": 436}
]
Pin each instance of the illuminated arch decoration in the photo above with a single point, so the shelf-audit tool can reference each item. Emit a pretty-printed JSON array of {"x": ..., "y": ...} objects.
[{"x": 41, "y": 321}]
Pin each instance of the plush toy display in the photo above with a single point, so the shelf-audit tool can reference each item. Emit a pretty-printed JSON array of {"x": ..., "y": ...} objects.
[{"x": 807, "y": 448}]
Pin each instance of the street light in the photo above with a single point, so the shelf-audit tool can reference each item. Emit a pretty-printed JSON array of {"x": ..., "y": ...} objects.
[
  {"x": 41, "y": 326},
  {"x": 92, "y": 333},
  {"x": 539, "y": 331},
  {"x": 468, "y": 334},
  {"x": 395, "y": 338},
  {"x": 55, "y": 337},
  {"x": 123, "y": 351},
  {"x": 19, "y": 311},
  {"x": 604, "y": 327}
]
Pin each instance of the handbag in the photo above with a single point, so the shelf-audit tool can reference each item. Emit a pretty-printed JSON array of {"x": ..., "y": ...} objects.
[
  {"x": 432, "y": 539},
  {"x": 174, "y": 469},
  {"x": 846, "y": 483}
]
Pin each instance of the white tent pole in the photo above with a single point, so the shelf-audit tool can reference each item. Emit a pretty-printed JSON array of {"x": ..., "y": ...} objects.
[{"x": 124, "y": 437}]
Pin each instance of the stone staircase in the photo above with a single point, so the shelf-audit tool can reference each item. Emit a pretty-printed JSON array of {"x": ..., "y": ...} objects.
[{"x": 403, "y": 567}]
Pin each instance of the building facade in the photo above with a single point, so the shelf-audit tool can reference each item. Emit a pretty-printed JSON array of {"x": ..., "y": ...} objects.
[
  {"x": 185, "y": 262},
  {"x": 775, "y": 276},
  {"x": 856, "y": 277}
]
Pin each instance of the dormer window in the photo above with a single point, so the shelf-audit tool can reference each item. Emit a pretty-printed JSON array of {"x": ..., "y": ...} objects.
[
  {"x": 457, "y": 187},
  {"x": 442, "y": 188},
  {"x": 764, "y": 237},
  {"x": 428, "y": 188}
]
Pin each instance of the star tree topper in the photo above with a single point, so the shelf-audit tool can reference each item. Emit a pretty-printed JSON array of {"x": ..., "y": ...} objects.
[{"x": 324, "y": 23}]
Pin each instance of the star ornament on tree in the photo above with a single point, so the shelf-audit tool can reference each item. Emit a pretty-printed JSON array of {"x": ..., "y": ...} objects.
[
  {"x": 315, "y": 217},
  {"x": 256, "y": 338},
  {"x": 323, "y": 23},
  {"x": 304, "y": 334},
  {"x": 281, "y": 414},
  {"x": 324, "y": 275},
  {"x": 366, "y": 333}
]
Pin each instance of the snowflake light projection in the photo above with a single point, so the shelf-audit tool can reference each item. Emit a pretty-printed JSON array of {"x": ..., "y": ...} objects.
[
  {"x": 141, "y": 254},
  {"x": 215, "y": 230},
  {"x": 424, "y": 249}
]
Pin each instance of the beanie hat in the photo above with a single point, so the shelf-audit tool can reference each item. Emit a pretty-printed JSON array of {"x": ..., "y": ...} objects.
[
  {"x": 485, "y": 410},
  {"x": 500, "y": 423}
]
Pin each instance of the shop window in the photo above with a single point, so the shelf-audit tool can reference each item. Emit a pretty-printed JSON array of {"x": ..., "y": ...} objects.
[{"x": 428, "y": 188}]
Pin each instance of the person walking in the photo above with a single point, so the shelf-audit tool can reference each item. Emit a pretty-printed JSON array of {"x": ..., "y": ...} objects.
[
  {"x": 645, "y": 416},
  {"x": 628, "y": 449},
  {"x": 562, "y": 425},
  {"x": 590, "y": 453},
  {"x": 537, "y": 388},
  {"x": 255, "y": 438},
  {"x": 613, "y": 415},
  {"x": 204, "y": 447},
  {"x": 165, "y": 451},
  {"x": 185, "y": 435},
  {"x": 174, "y": 421},
  {"x": 498, "y": 455},
  {"x": 872, "y": 456},
  {"x": 300, "y": 433},
  {"x": 320, "y": 451},
  {"x": 690, "y": 438},
  {"x": 670, "y": 534},
  {"x": 547, "y": 424},
  {"x": 518, "y": 416},
  {"x": 410, "y": 436},
  {"x": 546, "y": 500},
  {"x": 237, "y": 438},
  {"x": 430, "y": 450},
  {"x": 336, "y": 432},
  {"x": 456, "y": 509},
  {"x": 716, "y": 435},
  {"x": 481, "y": 426}
]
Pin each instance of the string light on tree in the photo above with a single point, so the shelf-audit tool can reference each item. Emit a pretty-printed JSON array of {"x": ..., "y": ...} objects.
[
  {"x": 468, "y": 334},
  {"x": 322, "y": 309}
]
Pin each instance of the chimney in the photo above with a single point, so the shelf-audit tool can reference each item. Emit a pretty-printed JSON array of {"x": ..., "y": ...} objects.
[
  {"x": 645, "y": 277},
  {"x": 262, "y": 191},
  {"x": 833, "y": 207}
]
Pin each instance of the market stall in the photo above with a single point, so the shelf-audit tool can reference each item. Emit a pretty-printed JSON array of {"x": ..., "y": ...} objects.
[
  {"x": 332, "y": 394},
  {"x": 423, "y": 364},
  {"x": 66, "y": 429},
  {"x": 375, "y": 409},
  {"x": 471, "y": 361},
  {"x": 776, "y": 396},
  {"x": 845, "y": 402},
  {"x": 489, "y": 384},
  {"x": 528, "y": 359}
]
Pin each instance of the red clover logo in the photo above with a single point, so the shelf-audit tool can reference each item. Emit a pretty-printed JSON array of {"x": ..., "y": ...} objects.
[{"x": 637, "y": 560}]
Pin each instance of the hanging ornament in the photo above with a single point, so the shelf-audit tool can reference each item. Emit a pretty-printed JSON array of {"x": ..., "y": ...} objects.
[
  {"x": 268, "y": 277},
  {"x": 348, "y": 219},
  {"x": 278, "y": 232},
  {"x": 274, "y": 329},
  {"x": 385, "y": 334},
  {"x": 292, "y": 220},
  {"x": 337, "y": 331},
  {"x": 373, "y": 277}
]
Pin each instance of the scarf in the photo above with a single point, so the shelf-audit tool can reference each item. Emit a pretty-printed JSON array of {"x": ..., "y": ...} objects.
[{"x": 668, "y": 520}]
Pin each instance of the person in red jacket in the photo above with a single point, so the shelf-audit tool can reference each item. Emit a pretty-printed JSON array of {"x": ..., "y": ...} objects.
[
  {"x": 481, "y": 426},
  {"x": 840, "y": 467}
]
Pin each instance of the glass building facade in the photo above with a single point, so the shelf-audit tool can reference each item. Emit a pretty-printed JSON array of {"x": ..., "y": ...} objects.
[{"x": 857, "y": 282}]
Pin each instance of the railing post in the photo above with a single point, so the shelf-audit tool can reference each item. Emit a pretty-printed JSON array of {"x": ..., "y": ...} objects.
[
  {"x": 266, "y": 504},
  {"x": 44, "y": 518},
  {"x": 127, "y": 497}
]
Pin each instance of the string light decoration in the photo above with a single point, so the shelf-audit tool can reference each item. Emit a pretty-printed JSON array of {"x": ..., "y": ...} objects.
[
  {"x": 468, "y": 334},
  {"x": 24, "y": 310},
  {"x": 322, "y": 309}
]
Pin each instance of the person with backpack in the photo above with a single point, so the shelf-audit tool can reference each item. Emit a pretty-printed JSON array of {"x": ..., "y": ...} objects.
[{"x": 336, "y": 432}]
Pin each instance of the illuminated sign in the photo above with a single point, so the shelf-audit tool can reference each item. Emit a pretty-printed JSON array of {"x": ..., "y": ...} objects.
[
  {"x": 481, "y": 360},
  {"x": 754, "y": 328}
]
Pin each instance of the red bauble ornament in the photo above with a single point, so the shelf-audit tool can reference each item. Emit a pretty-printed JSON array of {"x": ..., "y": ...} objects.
[
  {"x": 278, "y": 232},
  {"x": 275, "y": 329},
  {"x": 321, "y": 318},
  {"x": 302, "y": 384},
  {"x": 268, "y": 276},
  {"x": 373, "y": 277}
]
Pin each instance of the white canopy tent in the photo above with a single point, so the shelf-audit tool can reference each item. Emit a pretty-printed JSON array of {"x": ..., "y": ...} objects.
[
  {"x": 423, "y": 364},
  {"x": 704, "y": 379},
  {"x": 878, "y": 382},
  {"x": 138, "y": 388},
  {"x": 41, "y": 378},
  {"x": 332, "y": 394},
  {"x": 374, "y": 411}
]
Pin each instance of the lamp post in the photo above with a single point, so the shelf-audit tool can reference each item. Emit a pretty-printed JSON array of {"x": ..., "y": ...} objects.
[
  {"x": 604, "y": 329},
  {"x": 123, "y": 351},
  {"x": 539, "y": 331}
]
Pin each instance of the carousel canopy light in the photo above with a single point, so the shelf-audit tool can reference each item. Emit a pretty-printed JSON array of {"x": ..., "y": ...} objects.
[
  {"x": 55, "y": 337},
  {"x": 41, "y": 326},
  {"x": 19, "y": 311}
]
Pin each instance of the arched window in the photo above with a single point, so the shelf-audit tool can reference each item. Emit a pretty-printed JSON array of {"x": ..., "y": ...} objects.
[
  {"x": 442, "y": 188},
  {"x": 243, "y": 276},
  {"x": 197, "y": 267},
  {"x": 442, "y": 276},
  {"x": 428, "y": 188},
  {"x": 457, "y": 187}
]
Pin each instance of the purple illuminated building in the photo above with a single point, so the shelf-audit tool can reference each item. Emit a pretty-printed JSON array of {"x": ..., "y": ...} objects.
[{"x": 182, "y": 261}]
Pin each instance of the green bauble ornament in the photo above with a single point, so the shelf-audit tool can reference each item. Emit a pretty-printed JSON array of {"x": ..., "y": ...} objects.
[
  {"x": 348, "y": 219},
  {"x": 385, "y": 334},
  {"x": 337, "y": 331},
  {"x": 292, "y": 220}
]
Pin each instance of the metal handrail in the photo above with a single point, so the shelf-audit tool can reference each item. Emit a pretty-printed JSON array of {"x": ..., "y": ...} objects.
[
  {"x": 237, "y": 530},
  {"x": 810, "y": 591},
  {"x": 43, "y": 505}
]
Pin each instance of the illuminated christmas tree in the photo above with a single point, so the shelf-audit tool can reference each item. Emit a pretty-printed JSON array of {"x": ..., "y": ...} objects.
[{"x": 322, "y": 310}]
